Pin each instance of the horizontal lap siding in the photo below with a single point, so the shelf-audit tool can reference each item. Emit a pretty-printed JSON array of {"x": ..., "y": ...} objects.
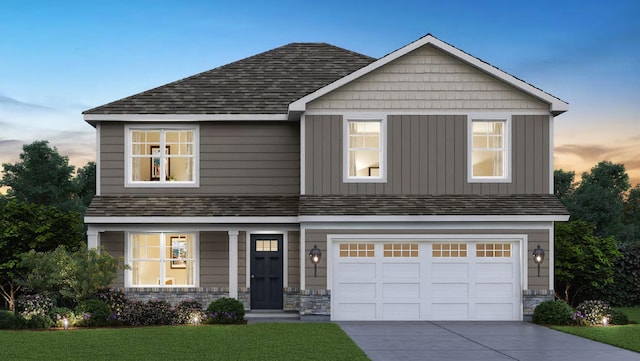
[
  {"x": 235, "y": 158},
  {"x": 113, "y": 244},
  {"x": 293, "y": 258},
  {"x": 427, "y": 154},
  {"x": 214, "y": 259},
  {"x": 427, "y": 79}
]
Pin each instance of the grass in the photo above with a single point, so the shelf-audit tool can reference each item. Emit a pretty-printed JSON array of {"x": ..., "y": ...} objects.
[
  {"x": 627, "y": 336},
  {"x": 263, "y": 341}
]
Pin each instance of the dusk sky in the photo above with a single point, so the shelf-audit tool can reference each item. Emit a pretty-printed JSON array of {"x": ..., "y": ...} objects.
[{"x": 60, "y": 57}]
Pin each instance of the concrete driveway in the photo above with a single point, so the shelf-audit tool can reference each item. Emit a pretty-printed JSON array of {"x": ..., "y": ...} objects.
[{"x": 476, "y": 341}]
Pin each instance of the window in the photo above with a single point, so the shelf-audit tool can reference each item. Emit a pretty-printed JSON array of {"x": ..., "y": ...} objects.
[
  {"x": 449, "y": 250},
  {"x": 364, "y": 159},
  {"x": 162, "y": 156},
  {"x": 489, "y": 156},
  {"x": 357, "y": 250},
  {"x": 493, "y": 250},
  {"x": 267, "y": 245},
  {"x": 162, "y": 259},
  {"x": 400, "y": 250}
]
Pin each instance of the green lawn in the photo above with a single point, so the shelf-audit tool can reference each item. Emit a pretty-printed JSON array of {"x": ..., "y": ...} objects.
[
  {"x": 627, "y": 336},
  {"x": 263, "y": 341}
]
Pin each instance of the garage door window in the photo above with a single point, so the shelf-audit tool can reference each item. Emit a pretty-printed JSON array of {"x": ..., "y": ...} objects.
[
  {"x": 357, "y": 250},
  {"x": 449, "y": 250},
  {"x": 401, "y": 250},
  {"x": 493, "y": 250}
]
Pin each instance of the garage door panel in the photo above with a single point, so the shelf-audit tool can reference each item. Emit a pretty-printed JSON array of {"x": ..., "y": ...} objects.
[
  {"x": 358, "y": 311},
  {"x": 450, "y": 271},
  {"x": 359, "y": 291},
  {"x": 400, "y": 270},
  {"x": 494, "y": 272},
  {"x": 401, "y": 291},
  {"x": 450, "y": 290},
  {"x": 401, "y": 311},
  {"x": 494, "y": 290},
  {"x": 357, "y": 271},
  {"x": 494, "y": 311},
  {"x": 450, "y": 311}
]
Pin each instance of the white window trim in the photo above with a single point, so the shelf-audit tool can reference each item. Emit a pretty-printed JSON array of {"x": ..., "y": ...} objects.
[
  {"x": 128, "y": 182},
  {"x": 507, "y": 144},
  {"x": 383, "y": 148},
  {"x": 128, "y": 252}
]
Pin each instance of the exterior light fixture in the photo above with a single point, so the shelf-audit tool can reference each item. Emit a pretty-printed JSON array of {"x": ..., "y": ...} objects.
[
  {"x": 314, "y": 256},
  {"x": 604, "y": 321},
  {"x": 538, "y": 257}
]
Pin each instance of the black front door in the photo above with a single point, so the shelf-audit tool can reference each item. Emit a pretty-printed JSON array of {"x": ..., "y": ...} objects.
[{"x": 266, "y": 271}]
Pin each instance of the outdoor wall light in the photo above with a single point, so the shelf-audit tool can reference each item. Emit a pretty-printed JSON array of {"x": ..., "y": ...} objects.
[
  {"x": 314, "y": 256},
  {"x": 538, "y": 257}
]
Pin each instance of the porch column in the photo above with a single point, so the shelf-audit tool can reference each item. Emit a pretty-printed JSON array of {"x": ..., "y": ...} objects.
[
  {"x": 93, "y": 238},
  {"x": 233, "y": 263},
  {"x": 303, "y": 258}
]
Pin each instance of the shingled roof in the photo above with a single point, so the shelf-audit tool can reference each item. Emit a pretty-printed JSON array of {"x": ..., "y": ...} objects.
[
  {"x": 327, "y": 205},
  {"x": 261, "y": 84}
]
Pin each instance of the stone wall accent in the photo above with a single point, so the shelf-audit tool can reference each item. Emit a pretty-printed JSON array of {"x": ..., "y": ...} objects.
[
  {"x": 244, "y": 296},
  {"x": 315, "y": 302},
  {"x": 176, "y": 294},
  {"x": 291, "y": 299},
  {"x": 532, "y": 298}
]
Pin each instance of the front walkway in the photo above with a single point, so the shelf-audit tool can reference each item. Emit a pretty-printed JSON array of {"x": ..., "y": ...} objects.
[{"x": 477, "y": 341}]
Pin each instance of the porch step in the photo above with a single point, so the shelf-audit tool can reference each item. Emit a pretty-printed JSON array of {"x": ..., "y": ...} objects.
[{"x": 255, "y": 316}]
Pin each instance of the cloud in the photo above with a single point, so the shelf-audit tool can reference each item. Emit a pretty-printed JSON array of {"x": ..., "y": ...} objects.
[{"x": 6, "y": 101}]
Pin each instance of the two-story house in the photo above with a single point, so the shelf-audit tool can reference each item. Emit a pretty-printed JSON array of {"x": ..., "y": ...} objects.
[{"x": 423, "y": 178}]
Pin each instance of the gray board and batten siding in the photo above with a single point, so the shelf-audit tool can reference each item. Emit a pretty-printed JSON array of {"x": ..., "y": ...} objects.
[
  {"x": 427, "y": 154},
  {"x": 236, "y": 158}
]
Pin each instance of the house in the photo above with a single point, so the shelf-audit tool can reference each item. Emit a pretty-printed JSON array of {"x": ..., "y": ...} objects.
[{"x": 422, "y": 182}]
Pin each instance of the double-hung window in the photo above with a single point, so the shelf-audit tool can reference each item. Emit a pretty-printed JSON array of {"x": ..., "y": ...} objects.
[
  {"x": 489, "y": 156},
  {"x": 162, "y": 259},
  {"x": 364, "y": 156},
  {"x": 162, "y": 156}
]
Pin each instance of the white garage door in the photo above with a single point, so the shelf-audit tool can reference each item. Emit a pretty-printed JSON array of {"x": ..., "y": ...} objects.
[{"x": 426, "y": 280}]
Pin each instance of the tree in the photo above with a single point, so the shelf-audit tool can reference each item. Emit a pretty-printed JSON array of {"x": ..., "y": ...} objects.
[
  {"x": 85, "y": 184},
  {"x": 68, "y": 275},
  {"x": 563, "y": 184},
  {"x": 599, "y": 198},
  {"x": 25, "y": 227},
  {"x": 42, "y": 177},
  {"x": 583, "y": 261}
]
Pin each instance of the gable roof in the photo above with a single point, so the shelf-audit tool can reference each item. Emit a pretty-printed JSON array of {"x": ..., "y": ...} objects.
[
  {"x": 261, "y": 84},
  {"x": 557, "y": 106}
]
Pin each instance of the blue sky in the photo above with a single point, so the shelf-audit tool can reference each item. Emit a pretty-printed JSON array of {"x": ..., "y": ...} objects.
[{"x": 58, "y": 58}]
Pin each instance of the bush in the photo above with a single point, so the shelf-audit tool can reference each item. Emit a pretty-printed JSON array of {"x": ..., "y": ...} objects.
[
  {"x": 38, "y": 321},
  {"x": 593, "y": 311},
  {"x": 59, "y": 314},
  {"x": 93, "y": 313},
  {"x": 30, "y": 305},
  {"x": 186, "y": 311},
  {"x": 225, "y": 311},
  {"x": 116, "y": 300},
  {"x": 624, "y": 290},
  {"x": 618, "y": 317},
  {"x": 553, "y": 313},
  {"x": 147, "y": 314},
  {"x": 11, "y": 321}
]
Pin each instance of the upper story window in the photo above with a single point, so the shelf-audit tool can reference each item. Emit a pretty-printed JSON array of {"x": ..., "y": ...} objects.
[
  {"x": 162, "y": 156},
  {"x": 489, "y": 156},
  {"x": 364, "y": 156}
]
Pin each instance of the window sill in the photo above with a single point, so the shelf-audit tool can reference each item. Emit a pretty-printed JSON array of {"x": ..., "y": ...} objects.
[
  {"x": 489, "y": 180},
  {"x": 365, "y": 180},
  {"x": 155, "y": 184}
]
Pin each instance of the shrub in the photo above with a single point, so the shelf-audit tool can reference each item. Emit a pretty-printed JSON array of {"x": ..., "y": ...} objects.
[
  {"x": 624, "y": 290},
  {"x": 593, "y": 311},
  {"x": 618, "y": 317},
  {"x": 226, "y": 311},
  {"x": 116, "y": 300},
  {"x": 38, "y": 321},
  {"x": 59, "y": 314},
  {"x": 147, "y": 314},
  {"x": 553, "y": 313},
  {"x": 186, "y": 311},
  {"x": 30, "y": 305},
  {"x": 11, "y": 321},
  {"x": 93, "y": 313}
]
